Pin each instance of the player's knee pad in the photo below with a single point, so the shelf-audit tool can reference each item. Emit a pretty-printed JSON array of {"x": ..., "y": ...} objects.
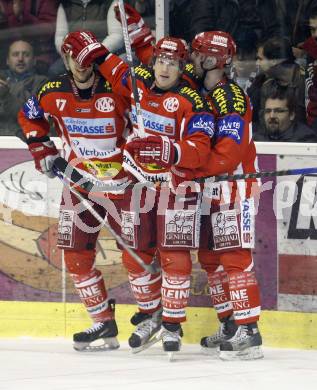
[
  {"x": 176, "y": 262},
  {"x": 209, "y": 260},
  {"x": 79, "y": 262},
  {"x": 131, "y": 265},
  {"x": 239, "y": 260}
]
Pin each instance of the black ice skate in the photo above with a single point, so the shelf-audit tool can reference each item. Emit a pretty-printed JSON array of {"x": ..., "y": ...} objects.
[
  {"x": 100, "y": 337},
  {"x": 171, "y": 335},
  {"x": 147, "y": 325},
  {"x": 244, "y": 345},
  {"x": 226, "y": 330}
]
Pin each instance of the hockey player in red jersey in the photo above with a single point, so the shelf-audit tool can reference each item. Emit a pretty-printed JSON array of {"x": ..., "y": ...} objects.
[
  {"x": 91, "y": 121},
  {"x": 228, "y": 209},
  {"x": 178, "y": 128},
  {"x": 228, "y": 234}
]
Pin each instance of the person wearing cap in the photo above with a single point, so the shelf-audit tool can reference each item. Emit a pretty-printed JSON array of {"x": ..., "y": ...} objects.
[{"x": 175, "y": 133}]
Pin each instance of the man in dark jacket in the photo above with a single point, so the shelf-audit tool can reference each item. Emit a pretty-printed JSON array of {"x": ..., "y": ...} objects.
[
  {"x": 279, "y": 123},
  {"x": 17, "y": 82},
  {"x": 276, "y": 61}
]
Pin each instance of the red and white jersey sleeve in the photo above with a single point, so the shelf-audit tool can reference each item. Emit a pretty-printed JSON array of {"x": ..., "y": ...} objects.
[{"x": 93, "y": 131}]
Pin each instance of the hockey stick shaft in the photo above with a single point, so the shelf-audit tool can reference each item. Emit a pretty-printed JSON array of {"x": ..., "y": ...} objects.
[
  {"x": 74, "y": 176},
  {"x": 258, "y": 175},
  {"x": 151, "y": 268},
  {"x": 128, "y": 49}
]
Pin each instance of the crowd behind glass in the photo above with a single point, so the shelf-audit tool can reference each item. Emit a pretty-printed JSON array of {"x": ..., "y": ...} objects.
[{"x": 276, "y": 61}]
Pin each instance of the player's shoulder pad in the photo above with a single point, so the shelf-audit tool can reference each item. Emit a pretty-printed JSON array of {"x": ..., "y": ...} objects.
[
  {"x": 56, "y": 84},
  {"x": 194, "y": 97},
  {"x": 104, "y": 86},
  {"x": 145, "y": 74},
  {"x": 189, "y": 71},
  {"x": 229, "y": 98}
]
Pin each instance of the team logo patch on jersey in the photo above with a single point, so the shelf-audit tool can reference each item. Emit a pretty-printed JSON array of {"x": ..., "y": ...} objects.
[
  {"x": 180, "y": 228},
  {"x": 171, "y": 104},
  {"x": 105, "y": 104},
  {"x": 65, "y": 229},
  {"x": 247, "y": 223},
  {"x": 229, "y": 98},
  {"x": 156, "y": 123},
  {"x": 231, "y": 126},
  {"x": 239, "y": 99},
  {"x": 50, "y": 85},
  {"x": 105, "y": 126},
  {"x": 225, "y": 230},
  {"x": 194, "y": 97},
  {"x": 83, "y": 110},
  {"x": 153, "y": 104},
  {"x": 202, "y": 123},
  {"x": 143, "y": 72},
  {"x": 128, "y": 228},
  {"x": 102, "y": 169}
]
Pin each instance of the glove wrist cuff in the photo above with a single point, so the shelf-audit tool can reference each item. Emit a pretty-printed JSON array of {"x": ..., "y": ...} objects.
[
  {"x": 33, "y": 140},
  {"x": 177, "y": 154}
]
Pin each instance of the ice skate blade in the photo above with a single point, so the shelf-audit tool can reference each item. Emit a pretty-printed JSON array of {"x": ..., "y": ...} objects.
[
  {"x": 170, "y": 356},
  {"x": 252, "y": 353},
  {"x": 108, "y": 344},
  {"x": 145, "y": 346},
  {"x": 210, "y": 351}
]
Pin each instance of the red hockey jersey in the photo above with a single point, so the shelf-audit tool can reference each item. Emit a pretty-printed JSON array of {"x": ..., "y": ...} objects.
[
  {"x": 180, "y": 114},
  {"x": 233, "y": 150},
  {"x": 92, "y": 131}
]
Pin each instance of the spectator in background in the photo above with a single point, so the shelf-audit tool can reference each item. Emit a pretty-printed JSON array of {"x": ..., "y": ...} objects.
[
  {"x": 293, "y": 18},
  {"x": 34, "y": 20},
  {"x": 275, "y": 60},
  {"x": 146, "y": 8},
  {"x": 248, "y": 21},
  {"x": 17, "y": 82},
  {"x": 180, "y": 18},
  {"x": 94, "y": 15},
  {"x": 207, "y": 15},
  {"x": 310, "y": 48},
  {"x": 278, "y": 118}
]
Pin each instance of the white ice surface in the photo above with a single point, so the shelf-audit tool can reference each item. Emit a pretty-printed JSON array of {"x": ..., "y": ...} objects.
[{"x": 33, "y": 364}]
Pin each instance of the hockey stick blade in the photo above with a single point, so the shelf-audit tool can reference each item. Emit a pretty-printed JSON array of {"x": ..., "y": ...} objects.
[{"x": 72, "y": 174}]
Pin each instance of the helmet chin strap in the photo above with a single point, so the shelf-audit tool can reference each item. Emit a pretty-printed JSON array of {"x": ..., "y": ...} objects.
[{"x": 209, "y": 63}]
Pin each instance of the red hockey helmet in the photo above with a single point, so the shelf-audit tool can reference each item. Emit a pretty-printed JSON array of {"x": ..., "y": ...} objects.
[
  {"x": 174, "y": 48},
  {"x": 218, "y": 44}
]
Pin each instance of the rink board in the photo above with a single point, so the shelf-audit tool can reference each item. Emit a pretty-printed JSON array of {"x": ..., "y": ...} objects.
[
  {"x": 37, "y": 297},
  {"x": 27, "y": 319}
]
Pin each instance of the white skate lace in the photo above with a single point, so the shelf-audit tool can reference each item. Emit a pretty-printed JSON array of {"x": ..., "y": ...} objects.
[
  {"x": 167, "y": 335},
  {"x": 240, "y": 335},
  {"x": 219, "y": 334},
  {"x": 145, "y": 328},
  {"x": 96, "y": 326}
]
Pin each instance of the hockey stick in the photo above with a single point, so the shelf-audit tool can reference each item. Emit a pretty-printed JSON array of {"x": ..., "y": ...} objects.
[
  {"x": 76, "y": 177},
  {"x": 60, "y": 168},
  {"x": 257, "y": 175},
  {"x": 128, "y": 49}
]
